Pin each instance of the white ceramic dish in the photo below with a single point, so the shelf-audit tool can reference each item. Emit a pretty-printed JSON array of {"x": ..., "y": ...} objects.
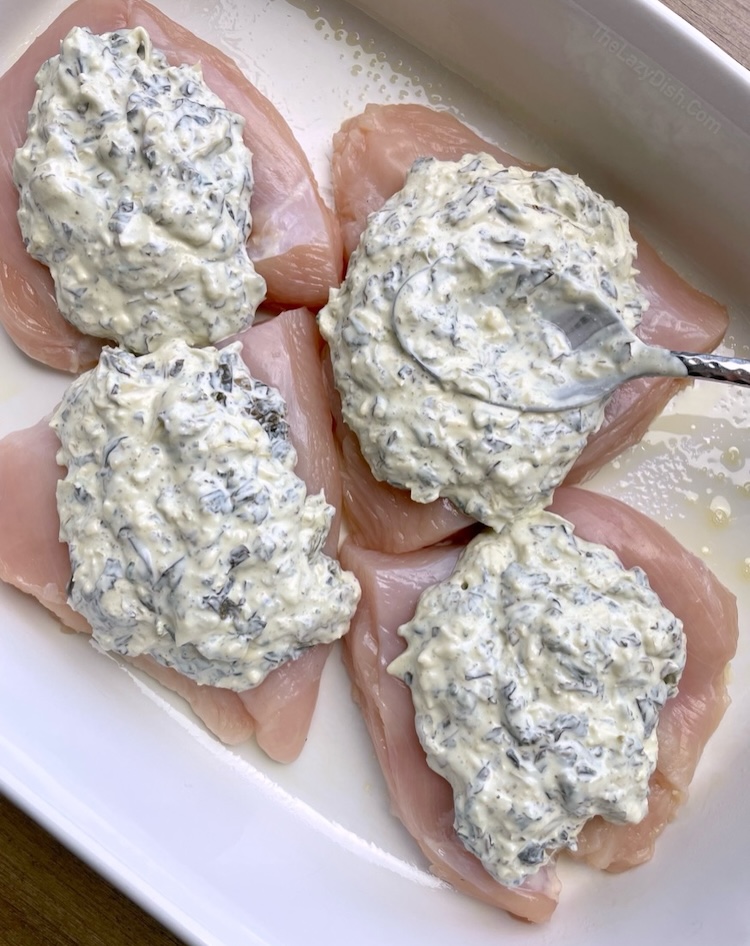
[{"x": 227, "y": 848}]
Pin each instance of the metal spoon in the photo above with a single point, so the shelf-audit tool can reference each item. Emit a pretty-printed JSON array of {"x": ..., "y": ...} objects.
[
  {"x": 440, "y": 332},
  {"x": 593, "y": 324}
]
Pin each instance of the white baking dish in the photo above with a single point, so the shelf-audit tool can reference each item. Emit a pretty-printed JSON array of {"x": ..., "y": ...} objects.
[{"x": 228, "y": 848}]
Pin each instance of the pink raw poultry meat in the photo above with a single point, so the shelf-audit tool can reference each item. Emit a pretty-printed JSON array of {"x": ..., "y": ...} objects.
[
  {"x": 284, "y": 353},
  {"x": 372, "y": 153},
  {"x": 709, "y": 613},
  {"x": 295, "y": 242},
  {"x": 391, "y": 585}
]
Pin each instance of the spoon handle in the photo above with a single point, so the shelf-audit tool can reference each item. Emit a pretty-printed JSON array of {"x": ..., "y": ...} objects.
[{"x": 716, "y": 367}]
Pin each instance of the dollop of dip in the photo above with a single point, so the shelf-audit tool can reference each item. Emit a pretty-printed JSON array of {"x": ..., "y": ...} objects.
[
  {"x": 191, "y": 538},
  {"x": 135, "y": 189},
  {"x": 537, "y": 671},
  {"x": 443, "y": 311}
]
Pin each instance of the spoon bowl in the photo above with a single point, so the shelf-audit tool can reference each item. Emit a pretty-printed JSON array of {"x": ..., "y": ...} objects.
[
  {"x": 569, "y": 349},
  {"x": 594, "y": 325}
]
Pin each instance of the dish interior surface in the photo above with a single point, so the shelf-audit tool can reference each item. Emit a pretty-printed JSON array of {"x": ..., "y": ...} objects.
[{"x": 224, "y": 845}]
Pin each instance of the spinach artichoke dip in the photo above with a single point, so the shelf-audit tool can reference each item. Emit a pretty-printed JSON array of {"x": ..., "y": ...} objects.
[
  {"x": 135, "y": 189},
  {"x": 442, "y": 312},
  {"x": 190, "y": 536},
  {"x": 537, "y": 672}
]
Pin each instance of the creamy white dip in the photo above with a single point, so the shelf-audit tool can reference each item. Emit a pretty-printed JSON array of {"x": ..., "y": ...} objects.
[
  {"x": 191, "y": 538},
  {"x": 537, "y": 671},
  {"x": 135, "y": 189},
  {"x": 442, "y": 311}
]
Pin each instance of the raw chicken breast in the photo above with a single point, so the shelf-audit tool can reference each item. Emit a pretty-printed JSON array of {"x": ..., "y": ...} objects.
[
  {"x": 31, "y": 556},
  {"x": 423, "y": 801},
  {"x": 391, "y": 586},
  {"x": 372, "y": 153},
  {"x": 619, "y": 847},
  {"x": 285, "y": 353},
  {"x": 384, "y": 517},
  {"x": 295, "y": 241},
  {"x": 279, "y": 711},
  {"x": 709, "y": 614}
]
